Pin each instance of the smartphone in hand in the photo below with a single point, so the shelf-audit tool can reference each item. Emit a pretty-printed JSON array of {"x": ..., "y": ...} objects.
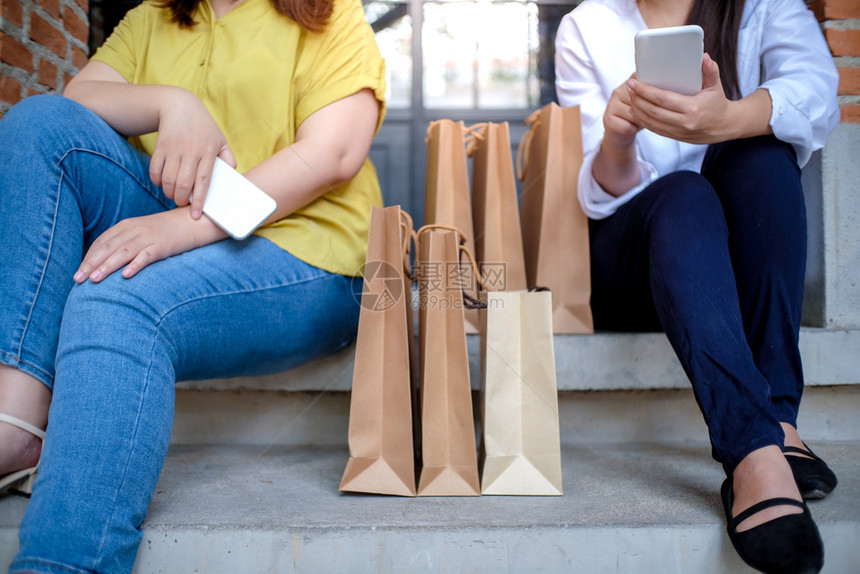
[
  {"x": 670, "y": 58},
  {"x": 234, "y": 203}
]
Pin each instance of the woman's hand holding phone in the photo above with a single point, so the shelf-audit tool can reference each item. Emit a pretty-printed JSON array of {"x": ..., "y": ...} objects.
[
  {"x": 189, "y": 140},
  {"x": 702, "y": 118}
]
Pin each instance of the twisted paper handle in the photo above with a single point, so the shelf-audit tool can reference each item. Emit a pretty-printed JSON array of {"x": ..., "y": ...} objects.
[
  {"x": 473, "y": 134},
  {"x": 461, "y": 245},
  {"x": 525, "y": 144},
  {"x": 407, "y": 233}
]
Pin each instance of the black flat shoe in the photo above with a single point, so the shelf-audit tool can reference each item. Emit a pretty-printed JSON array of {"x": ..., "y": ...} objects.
[
  {"x": 789, "y": 544},
  {"x": 812, "y": 475}
]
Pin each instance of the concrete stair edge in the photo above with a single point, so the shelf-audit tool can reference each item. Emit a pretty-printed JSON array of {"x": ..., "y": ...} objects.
[{"x": 602, "y": 361}]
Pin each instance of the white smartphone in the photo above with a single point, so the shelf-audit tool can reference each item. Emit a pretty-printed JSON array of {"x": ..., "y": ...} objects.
[
  {"x": 671, "y": 58},
  {"x": 235, "y": 204}
]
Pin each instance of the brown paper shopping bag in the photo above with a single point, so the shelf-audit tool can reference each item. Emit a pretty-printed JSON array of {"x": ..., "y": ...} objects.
[
  {"x": 521, "y": 448},
  {"x": 381, "y": 449},
  {"x": 555, "y": 229},
  {"x": 449, "y": 452},
  {"x": 446, "y": 186},
  {"x": 495, "y": 212}
]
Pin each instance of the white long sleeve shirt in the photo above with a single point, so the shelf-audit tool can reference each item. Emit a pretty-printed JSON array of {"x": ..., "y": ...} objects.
[{"x": 780, "y": 49}]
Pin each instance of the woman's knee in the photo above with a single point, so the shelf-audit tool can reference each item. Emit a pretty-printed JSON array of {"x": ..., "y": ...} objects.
[
  {"x": 682, "y": 202},
  {"x": 44, "y": 121},
  {"x": 757, "y": 154},
  {"x": 758, "y": 173},
  {"x": 43, "y": 111}
]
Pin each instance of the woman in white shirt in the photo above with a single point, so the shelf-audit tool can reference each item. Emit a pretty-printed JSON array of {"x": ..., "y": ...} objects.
[{"x": 698, "y": 228}]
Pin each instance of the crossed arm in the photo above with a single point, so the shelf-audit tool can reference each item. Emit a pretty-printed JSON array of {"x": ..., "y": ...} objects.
[{"x": 330, "y": 148}]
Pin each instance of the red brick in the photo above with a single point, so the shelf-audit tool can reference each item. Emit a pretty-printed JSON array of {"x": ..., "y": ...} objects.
[
  {"x": 835, "y": 9},
  {"x": 10, "y": 90},
  {"x": 78, "y": 28},
  {"x": 11, "y": 10},
  {"x": 44, "y": 33},
  {"x": 34, "y": 92},
  {"x": 79, "y": 58},
  {"x": 15, "y": 53},
  {"x": 84, "y": 4},
  {"x": 850, "y": 114},
  {"x": 843, "y": 42},
  {"x": 47, "y": 75},
  {"x": 849, "y": 81},
  {"x": 52, "y": 7}
]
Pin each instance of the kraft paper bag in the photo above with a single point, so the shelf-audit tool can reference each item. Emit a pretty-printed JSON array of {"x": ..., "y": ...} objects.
[
  {"x": 555, "y": 229},
  {"x": 521, "y": 446},
  {"x": 446, "y": 186},
  {"x": 449, "y": 451},
  {"x": 495, "y": 210},
  {"x": 381, "y": 449}
]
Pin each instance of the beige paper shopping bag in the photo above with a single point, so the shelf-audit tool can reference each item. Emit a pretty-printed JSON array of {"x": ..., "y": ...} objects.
[
  {"x": 495, "y": 210},
  {"x": 381, "y": 449},
  {"x": 521, "y": 448},
  {"x": 446, "y": 186},
  {"x": 555, "y": 229},
  {"x": 449, "y": 453}
]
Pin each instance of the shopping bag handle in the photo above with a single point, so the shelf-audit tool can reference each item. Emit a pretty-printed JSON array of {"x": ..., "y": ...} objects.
[
  {"x": 461, "y": 244},
  {"x": 533, "y": 121},
  {"x": 474, "y": 133},
  {"x": 408, "y": 233},
  {"x": 432, "y": 123}
]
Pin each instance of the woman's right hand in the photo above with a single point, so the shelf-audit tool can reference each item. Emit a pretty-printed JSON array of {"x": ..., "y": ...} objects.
[
  {"x": 188, "y": 137},
  {"x": 620, "y": 129},
  {"x": 615, "y": 167},
  {"x": 188, "y": 142}
]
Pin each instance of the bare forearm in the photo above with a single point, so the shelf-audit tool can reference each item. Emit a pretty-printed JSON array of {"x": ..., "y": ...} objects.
[
  {"x": 750, "y": 116},
  {"x": 296, "y": 176},
  {"x": 615, "y": 168},
  {"x": 129, "y": 109},
  {"x": 331, "y": 146}
]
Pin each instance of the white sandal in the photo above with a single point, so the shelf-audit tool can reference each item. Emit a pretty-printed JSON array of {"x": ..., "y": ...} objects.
[{"x": 20, "y": 480}]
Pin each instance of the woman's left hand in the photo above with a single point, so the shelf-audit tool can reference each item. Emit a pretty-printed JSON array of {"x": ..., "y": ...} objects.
[
  {"x": 138, "y": 241},
  {"x": 703, "y": 118}
]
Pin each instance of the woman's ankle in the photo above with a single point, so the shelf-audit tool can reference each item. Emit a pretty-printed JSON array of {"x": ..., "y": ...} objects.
[
  {"x": 792, "y": 438},
  {"x": 24, "y": 397},
  {"x": 27, "y": 399},
  {"x": 18, "y": 449},
  {"x": 761, "y": 475}
]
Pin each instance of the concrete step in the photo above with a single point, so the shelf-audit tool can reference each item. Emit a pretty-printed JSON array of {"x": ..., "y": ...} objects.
[
  {"x": 602, "y": 361},
  {"x": 320, "y": 418},
  {"x": 627, "y": 508}
]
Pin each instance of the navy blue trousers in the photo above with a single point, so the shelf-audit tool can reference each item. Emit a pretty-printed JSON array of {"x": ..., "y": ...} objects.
[{"x": 716, "y": 260}]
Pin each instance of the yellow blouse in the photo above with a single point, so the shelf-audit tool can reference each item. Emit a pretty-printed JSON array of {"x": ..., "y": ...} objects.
[{"x": 261, "y": 75}]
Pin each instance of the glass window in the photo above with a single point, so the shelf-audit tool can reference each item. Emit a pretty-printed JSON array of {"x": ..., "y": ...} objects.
[
  {"x": 480, "y": 55},
  {"x": 393, "y": 27}
]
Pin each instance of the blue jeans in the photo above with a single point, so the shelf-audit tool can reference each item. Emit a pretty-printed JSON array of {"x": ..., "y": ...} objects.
[
  {"x": 112, "y": 351},
  {"x": 716, "y": 259}
]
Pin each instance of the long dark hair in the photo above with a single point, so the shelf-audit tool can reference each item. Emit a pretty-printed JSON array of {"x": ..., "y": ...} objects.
[
  {"x": 721, "y": 20},
  {"x": 310, "y": 14}
]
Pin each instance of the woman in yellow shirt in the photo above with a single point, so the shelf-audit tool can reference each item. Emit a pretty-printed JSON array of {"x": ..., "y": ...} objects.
[{"x": 115, "y": 285}]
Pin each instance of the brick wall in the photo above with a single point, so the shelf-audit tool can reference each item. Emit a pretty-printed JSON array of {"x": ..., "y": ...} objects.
[
  {"x": 43, "y": 43},
  {"x": 840, "y": 20}
]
